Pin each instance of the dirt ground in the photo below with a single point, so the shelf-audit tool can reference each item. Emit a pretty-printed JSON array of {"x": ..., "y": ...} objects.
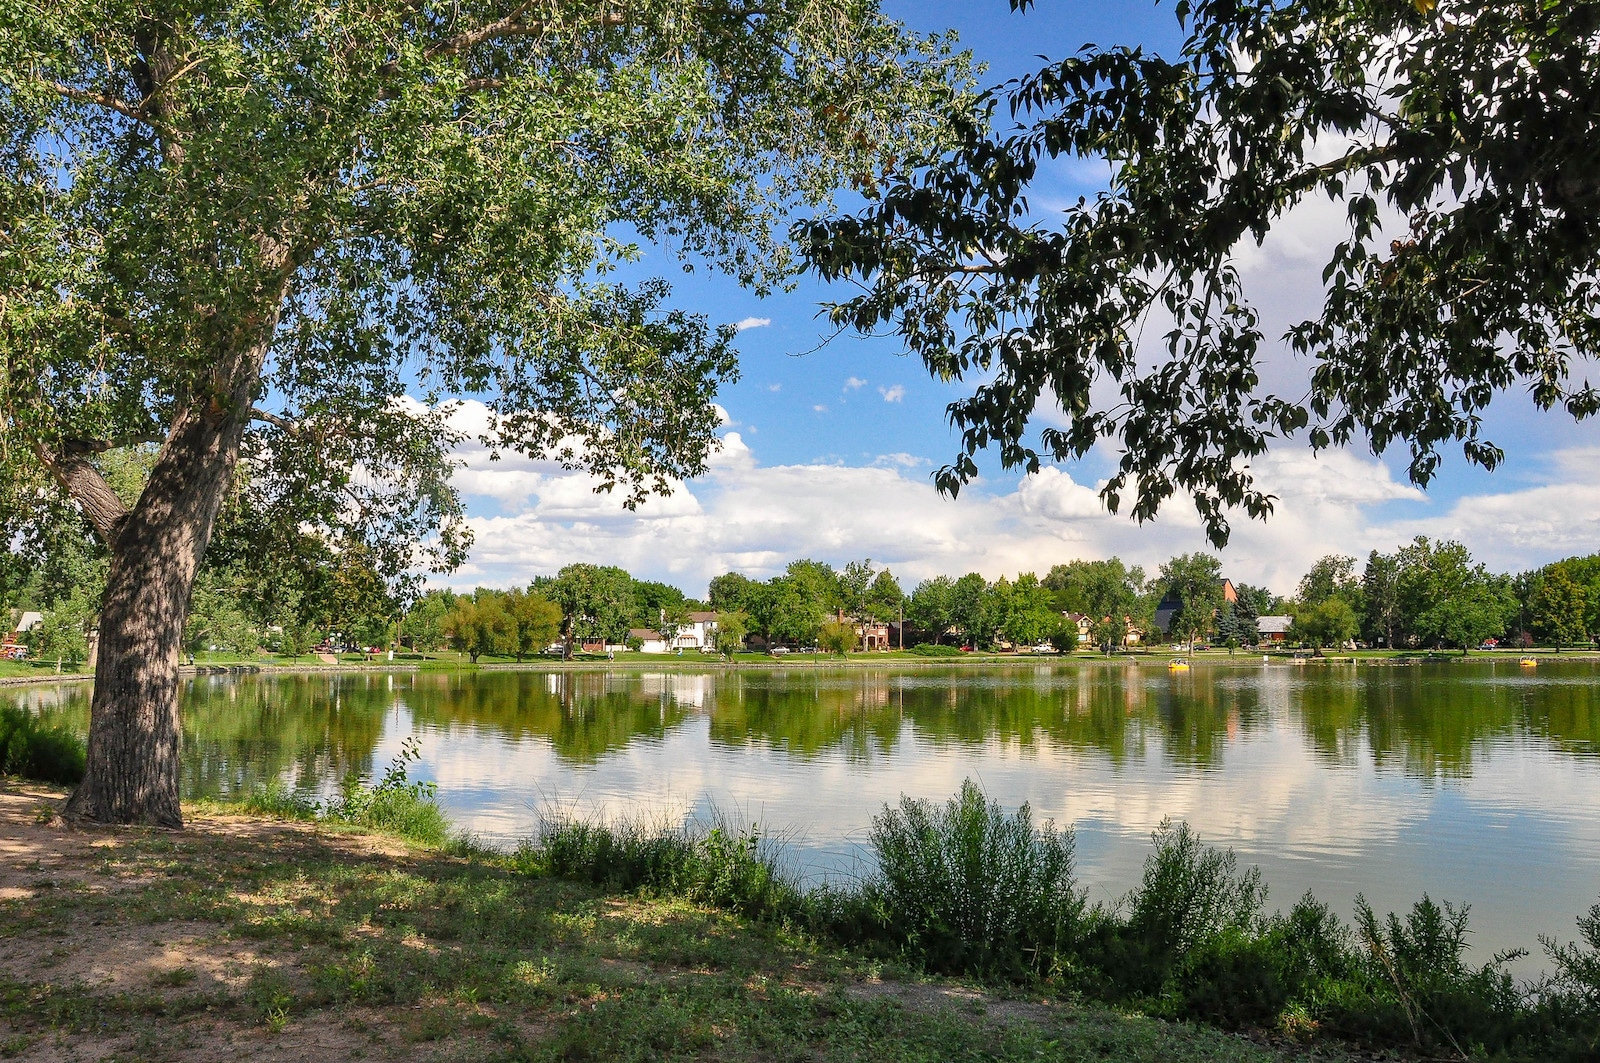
[{"x": 40, "y": 857}]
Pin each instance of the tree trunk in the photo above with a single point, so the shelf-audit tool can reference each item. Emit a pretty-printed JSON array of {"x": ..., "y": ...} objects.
[{"x": 134, "y": 726}]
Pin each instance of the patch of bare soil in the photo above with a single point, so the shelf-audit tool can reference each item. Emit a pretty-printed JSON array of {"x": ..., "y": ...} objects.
[
  {"x": 927, "y": 997},
  {"x": 40, "y": 855}
]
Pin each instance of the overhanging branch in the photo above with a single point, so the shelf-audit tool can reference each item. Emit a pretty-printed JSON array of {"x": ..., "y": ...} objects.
[
  {"x": 276, "y": 420},
  {"x": 112, "y": 103},
  {"x": 83, "y": 482}
]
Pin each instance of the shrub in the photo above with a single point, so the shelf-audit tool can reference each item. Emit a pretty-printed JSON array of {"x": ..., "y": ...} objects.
[
  {"x": 1577, "y": 968},
  {"x": 967, "y": 887},
  {"x": 1189, "y": 898},
  {"x": 934, "y": 649},
  {"x": 1569, "y": 1002},
  {"x": 46, "y": 754},
  {"x": 1192, "y": 893},
  {"x": 1418, "y": 968},
  {"x": 1234, "y": 979}
]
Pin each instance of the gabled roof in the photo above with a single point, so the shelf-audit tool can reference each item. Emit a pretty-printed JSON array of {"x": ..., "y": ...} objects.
[{"x": 702, "y": 618}]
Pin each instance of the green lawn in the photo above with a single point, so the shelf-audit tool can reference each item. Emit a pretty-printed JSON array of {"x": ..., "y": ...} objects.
[{"x": 33, "y": 669}]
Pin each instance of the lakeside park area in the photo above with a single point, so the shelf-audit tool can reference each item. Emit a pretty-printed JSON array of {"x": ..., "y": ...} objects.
[{"x": 444, "y": 445}]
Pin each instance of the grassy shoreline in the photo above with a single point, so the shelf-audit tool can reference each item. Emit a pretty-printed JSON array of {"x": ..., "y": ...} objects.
[
  {"x": 649, "y": 940},
  {"x": 249, "y": 937}
]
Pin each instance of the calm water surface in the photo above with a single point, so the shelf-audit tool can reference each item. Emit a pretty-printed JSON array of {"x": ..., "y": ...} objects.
[{"x": 1475, "y": 782}]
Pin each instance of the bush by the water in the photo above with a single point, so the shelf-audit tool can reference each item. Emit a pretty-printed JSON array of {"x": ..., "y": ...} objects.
[
  {"x": 46, "y": 754},
  {"x": 964, "y": 886},
  {"x": 934, "y": 649},
  {"x": 394, "y": 805},
  {"x": 969, "y": 888}
]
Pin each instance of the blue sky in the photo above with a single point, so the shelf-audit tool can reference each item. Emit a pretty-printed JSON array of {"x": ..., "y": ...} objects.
[{"x": 828, "y": 450}]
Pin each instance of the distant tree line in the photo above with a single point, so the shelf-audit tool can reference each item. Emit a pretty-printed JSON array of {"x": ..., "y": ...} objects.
[{"x": 289, "y": 597}]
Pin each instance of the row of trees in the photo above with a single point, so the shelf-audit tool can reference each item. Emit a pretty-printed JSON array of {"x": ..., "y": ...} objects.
[
  {"x": 1423, "y": 594},
  {"x": 1434, "y": 594},
  {"x": 580, "y": 603}
]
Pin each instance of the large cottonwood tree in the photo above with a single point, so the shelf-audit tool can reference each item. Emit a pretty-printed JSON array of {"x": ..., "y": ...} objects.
[
  {"x": 281, "y": 233},
  {"x": 1462, "y": 138}
]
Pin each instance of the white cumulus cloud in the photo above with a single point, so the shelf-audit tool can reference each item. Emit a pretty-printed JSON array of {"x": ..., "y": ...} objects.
[
  {"x": 893, "y": 393},
  {"x": 533, "y": 517},
  {"x": 752, "y": 322}
]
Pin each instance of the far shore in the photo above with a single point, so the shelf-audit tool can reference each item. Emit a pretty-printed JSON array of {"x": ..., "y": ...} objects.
[{"x": 45, "y": 675}]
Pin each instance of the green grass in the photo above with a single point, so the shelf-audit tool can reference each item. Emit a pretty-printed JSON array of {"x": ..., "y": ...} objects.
[{"x": 43, "y": 670}]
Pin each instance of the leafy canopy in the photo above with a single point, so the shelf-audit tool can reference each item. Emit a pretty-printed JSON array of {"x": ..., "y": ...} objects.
[
  {"x": 1460, "y": 137},
  {"x": 313, "y": 210}
]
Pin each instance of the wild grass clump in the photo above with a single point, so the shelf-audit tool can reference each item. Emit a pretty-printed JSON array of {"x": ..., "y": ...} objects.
[
  {"x": 45, "y": 754},
  {"x": 713, "y": 863},
  {"x": 969, "y": 888},
  {"x": 280, "y": 802},
  {"x": 394, "y": 805}
]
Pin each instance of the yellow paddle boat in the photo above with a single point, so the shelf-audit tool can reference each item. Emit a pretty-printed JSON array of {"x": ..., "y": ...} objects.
[
  {"x": 1528, "y": 662},
  {"x": 1177, "y": 664}
]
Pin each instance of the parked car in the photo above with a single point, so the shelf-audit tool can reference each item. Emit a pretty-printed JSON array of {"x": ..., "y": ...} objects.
[{"x": 779, "y": 651}]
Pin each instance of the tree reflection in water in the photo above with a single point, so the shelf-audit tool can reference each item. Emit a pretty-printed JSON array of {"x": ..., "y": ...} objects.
[{"x": 1430, "y": 721}]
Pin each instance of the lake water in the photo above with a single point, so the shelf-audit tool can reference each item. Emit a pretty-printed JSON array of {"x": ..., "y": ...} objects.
[{"x": 1474, "y": 782}]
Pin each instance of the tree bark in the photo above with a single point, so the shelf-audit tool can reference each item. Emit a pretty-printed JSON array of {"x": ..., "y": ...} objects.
[
  {"x": 132, "y": 768},
  {"x": 131, "y": 773}
]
